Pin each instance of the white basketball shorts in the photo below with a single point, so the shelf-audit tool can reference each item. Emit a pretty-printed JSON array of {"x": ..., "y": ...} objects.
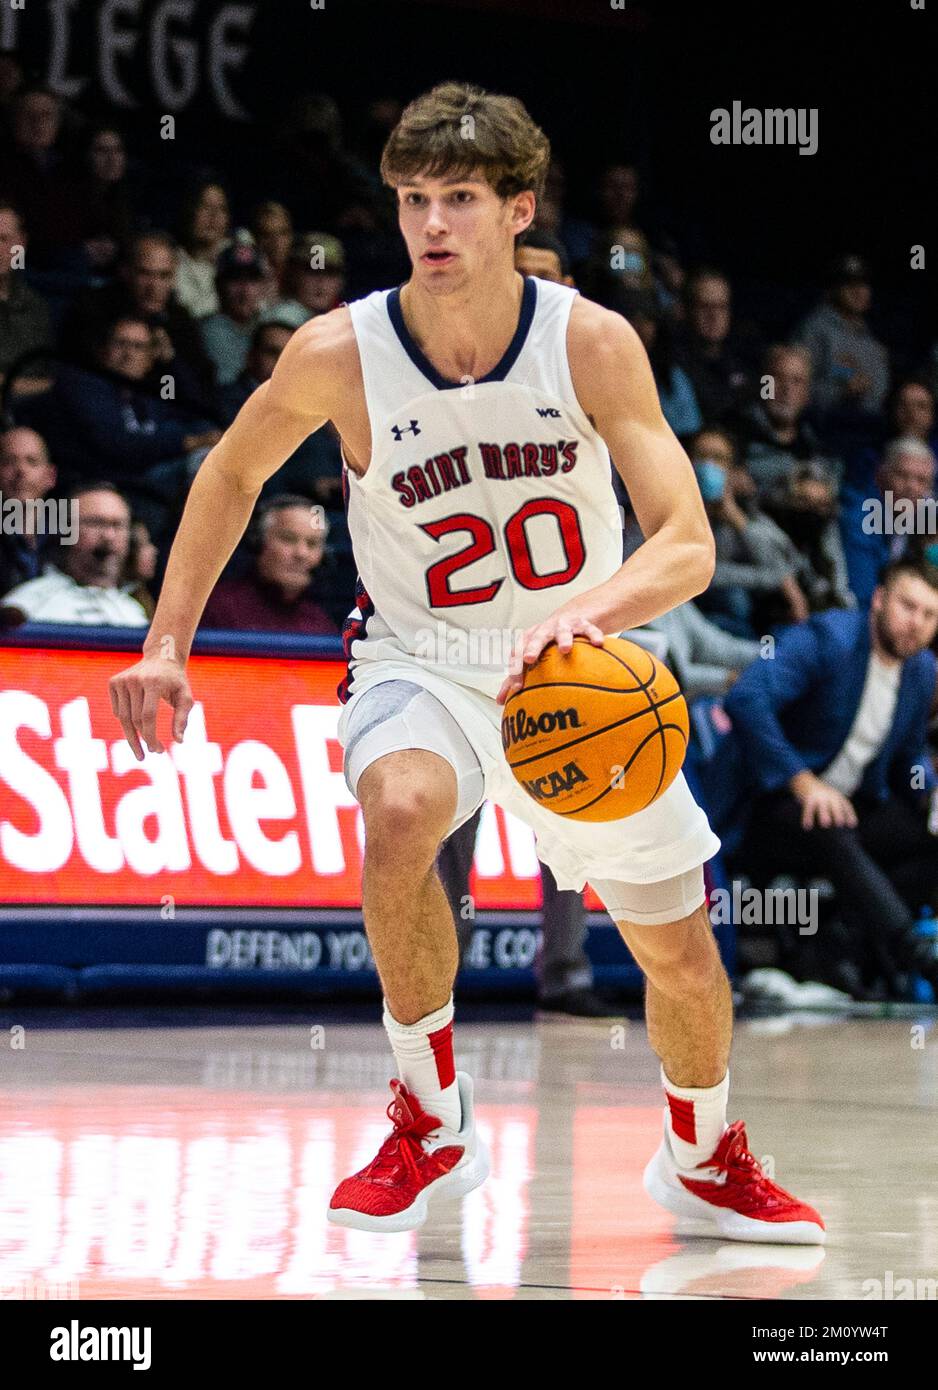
[{"x": 396, "y": 705}]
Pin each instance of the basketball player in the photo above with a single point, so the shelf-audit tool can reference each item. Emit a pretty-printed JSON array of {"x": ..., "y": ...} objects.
[{"x": 478, "y": 410}]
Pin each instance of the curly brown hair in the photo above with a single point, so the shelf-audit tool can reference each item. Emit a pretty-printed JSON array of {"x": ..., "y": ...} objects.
[{"x": 457, "y": 130}]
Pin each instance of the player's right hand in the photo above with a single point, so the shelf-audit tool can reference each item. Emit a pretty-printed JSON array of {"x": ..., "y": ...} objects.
[{"x": 135, "y": 700}]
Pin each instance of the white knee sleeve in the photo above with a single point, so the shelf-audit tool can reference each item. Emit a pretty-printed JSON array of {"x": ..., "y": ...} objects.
[{"x": 651, "y": 904}]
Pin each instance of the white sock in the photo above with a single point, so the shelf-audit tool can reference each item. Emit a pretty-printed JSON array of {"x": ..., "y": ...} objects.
[
  {"x": 423, "y": 1052},
  {"x": 696, "y": 1119}
]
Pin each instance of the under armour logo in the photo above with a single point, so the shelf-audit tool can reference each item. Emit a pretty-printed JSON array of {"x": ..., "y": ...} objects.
[
  {"x": 548, "y": 412},
  {"x": 399, "y": 431}
]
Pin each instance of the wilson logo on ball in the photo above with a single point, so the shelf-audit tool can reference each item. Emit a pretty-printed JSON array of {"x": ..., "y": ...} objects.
[
  {"x": 615, "y": 745},
  {"x": 518, "y": 727}
]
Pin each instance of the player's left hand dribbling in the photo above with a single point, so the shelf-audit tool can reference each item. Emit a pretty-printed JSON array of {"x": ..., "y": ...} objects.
[{"x": 560, "y": 628}]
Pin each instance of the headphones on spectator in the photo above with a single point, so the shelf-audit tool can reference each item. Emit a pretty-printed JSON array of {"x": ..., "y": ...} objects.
[{"x": 254, "y": 535}]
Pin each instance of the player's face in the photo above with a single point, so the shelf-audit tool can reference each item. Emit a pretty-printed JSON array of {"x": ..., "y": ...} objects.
[{"x": 457, "y": 228}]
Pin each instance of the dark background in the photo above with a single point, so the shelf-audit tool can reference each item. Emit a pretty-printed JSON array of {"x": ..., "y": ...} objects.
[{"x": 638, "y": 82}]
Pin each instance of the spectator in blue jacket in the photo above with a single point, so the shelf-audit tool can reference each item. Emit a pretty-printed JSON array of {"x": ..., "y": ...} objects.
[
  {"x": 106, "y": 422},
  {"x": 906, "y": 474},
  {"x": 832, "y": 737}
]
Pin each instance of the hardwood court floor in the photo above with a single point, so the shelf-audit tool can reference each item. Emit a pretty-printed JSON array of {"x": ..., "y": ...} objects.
[{"x": 180, "y": 1161}]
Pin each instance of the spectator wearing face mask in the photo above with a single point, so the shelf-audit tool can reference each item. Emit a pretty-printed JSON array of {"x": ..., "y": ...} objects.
[{"x": 753, "y": 561}]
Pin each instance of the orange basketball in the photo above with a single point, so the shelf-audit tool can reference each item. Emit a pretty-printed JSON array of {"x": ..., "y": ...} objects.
[{"x": 598, "y": 733}]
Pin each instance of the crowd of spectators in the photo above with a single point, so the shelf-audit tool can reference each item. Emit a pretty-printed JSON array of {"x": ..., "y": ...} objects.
[{"x": 134, "y": 326}]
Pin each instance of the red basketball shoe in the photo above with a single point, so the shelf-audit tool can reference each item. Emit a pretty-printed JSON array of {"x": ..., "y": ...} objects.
[
  {"x": 418, "y": 1162},
  {"x": 730, "y": 1196}
]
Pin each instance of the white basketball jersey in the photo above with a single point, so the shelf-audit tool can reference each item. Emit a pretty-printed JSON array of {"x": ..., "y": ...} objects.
[{"x": 485, "y": 505}]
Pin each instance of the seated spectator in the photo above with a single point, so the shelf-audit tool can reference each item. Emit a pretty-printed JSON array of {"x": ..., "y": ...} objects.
[
  {"x": 24, "y": 317},
  {"x": 314, "y": 279},
  {"x": 272, "y": 229},
  {"x": 620, "y": 241},
  {"x": 140, "y": 568},
  {"x": 543, "y": 255},
  {"x": 241, "y": 280},
  {"x": 804, "y": 506},
  {"x": 26, "y": 475},
  {"x": 705, "y": 659},
  {"x": 204, "y": 232},
  {"x": 83, "y": 585},
  {"x": 907, "y": 472},
  {"x": 753, "y": 562},
  {"x": 675, "y": 390},
  {"x": 777, "y": 436},
  {"x": 289, "y": 540},
  {"x": 267, "y": 343},
  {"x": 309, "y": 166},
  {"x": 31, "y": 173},
  {"x": 851, "y": 368},
  {"x": 100, "y": 211},
  {"x": 316, "y": 466},
  {"x": 830, "y": 736},
  {"x": 107, "y": 420},
  {"x": 144, "y": 287},
  {"x": 909, "y": 414},
  {"x": 551, "y": 216},
  {"x": 707, "y": 351},
  {"x": 910, "y": 411}
]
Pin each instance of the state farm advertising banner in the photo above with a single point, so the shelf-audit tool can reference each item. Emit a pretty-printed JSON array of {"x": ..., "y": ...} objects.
[{"x": 251, "y": 809}]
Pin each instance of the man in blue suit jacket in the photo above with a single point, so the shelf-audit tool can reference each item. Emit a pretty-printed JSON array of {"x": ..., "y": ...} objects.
[{"x": 830, "y": 735}]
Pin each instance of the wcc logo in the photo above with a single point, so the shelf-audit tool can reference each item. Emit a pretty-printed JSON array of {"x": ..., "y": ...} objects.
[
  {"x": 400, "y": 430},
  {"x": 548, "y": 412}
]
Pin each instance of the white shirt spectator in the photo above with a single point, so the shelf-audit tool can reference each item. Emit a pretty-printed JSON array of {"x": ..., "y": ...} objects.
[
  {"x": 195, "y": 285},
  {"x": 871, "y": 726},
  {"x": 56, "y": 598}
]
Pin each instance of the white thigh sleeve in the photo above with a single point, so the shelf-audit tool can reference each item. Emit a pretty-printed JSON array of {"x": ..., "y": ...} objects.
[{"x": 652, "y": 904}]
